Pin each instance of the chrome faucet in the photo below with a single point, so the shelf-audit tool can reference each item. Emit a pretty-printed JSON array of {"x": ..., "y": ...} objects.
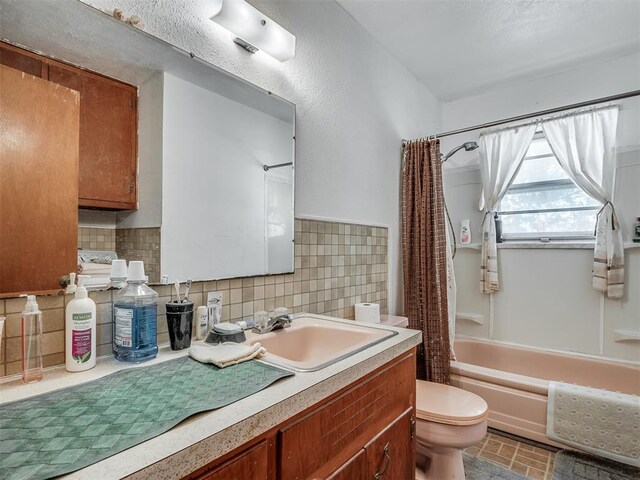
[{"x": 275, "y": 323}]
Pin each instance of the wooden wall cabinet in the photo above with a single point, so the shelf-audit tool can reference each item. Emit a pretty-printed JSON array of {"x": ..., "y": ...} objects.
[
  {"x": 368, "y": 428},
  {"x": 39, "y": 182},
  {"x": 107, "y": 168}
]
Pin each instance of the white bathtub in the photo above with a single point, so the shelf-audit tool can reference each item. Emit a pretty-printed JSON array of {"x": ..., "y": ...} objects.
[{"x": 514, "y": 381}]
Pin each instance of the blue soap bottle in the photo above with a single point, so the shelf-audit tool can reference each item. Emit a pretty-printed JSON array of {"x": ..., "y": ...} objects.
[{"x": 135, "y": 318}]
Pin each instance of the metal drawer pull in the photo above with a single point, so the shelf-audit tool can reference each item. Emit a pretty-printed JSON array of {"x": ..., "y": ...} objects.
[{"x": 387, "y": 463}]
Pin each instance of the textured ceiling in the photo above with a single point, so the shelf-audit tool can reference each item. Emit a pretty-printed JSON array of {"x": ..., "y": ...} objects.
[
  {"x": 85, "y": 36},
  {"x": 464, "y": 47}
]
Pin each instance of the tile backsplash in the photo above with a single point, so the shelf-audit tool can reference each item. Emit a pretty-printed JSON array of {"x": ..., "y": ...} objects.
[
  {"x": 130, "y": 243},
  {"x": 141, "y": 244},
  {"x": 336, "y": 266},
  {"x": 97, "y": 238}
]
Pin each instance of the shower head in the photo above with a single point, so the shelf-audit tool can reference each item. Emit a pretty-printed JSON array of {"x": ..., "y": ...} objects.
[{"x": 468, "y": 146}]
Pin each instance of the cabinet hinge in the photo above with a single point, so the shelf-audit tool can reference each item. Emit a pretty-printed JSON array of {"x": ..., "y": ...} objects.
[
  {"x": 132, "y": 187},
  {"x": 132, "y": 104},
  {"x": 413, "y": 427}
]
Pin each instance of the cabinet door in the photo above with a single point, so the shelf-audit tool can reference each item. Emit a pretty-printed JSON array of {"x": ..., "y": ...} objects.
[
  {"x": 14, "y": 58},
  {"x": 38, "y": 182},
  {"x": 345, "y": 424},
  {"x": 391, "y": 454},
  {"x": 354, "y": 469},
  {"x": 108, "y": 138},
  {"x": 251, "y": 464}
]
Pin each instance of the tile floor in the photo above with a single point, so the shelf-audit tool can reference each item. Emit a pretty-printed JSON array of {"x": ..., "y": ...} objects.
[{"x": 532, "y": 461}]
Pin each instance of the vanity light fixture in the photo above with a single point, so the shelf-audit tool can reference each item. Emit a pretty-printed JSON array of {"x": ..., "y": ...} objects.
[{"x": 255, "y": 31}]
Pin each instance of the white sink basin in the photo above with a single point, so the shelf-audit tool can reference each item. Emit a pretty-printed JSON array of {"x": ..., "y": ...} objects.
[{"x": 313, "y": 342}]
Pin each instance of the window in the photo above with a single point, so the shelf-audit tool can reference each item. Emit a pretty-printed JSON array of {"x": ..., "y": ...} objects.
[{"x": 543, "y": 202}]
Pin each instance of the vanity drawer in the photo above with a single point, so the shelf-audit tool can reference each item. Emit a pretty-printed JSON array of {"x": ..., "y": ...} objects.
[
  {"x": 251, "y": 464},
  {"x": 348, "y": 422},
  {"x": 391, "y": 454}
]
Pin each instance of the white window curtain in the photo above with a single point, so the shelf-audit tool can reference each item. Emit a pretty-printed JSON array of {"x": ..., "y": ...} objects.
[
  {"x": 501, "y": 154},
  {"x": 584, "y": 144}
]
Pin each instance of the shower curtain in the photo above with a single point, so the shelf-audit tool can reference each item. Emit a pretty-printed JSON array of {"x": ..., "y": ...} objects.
[{"x": 424, "y": 257}]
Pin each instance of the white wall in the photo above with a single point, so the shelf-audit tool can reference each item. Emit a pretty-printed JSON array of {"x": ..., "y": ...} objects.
[
  {"x": 354, "y": 103},
  {"x": 214, "y": 150},
  {"x": 149, "y": 213},
  {"x": 546, "y": 299},
  {"x": 278, "y": 205},
  {"x": 96, "y": 219}
]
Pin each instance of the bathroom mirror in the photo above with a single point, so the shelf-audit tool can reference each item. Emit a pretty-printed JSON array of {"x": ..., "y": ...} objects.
[{"x": 215, "y": 154}]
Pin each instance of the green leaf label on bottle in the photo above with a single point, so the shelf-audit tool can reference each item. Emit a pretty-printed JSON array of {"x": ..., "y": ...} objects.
[{"x": 81, "y": 337}]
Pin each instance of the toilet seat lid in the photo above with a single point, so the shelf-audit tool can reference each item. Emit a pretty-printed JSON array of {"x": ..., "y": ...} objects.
[{"x": 448, "y": 405}]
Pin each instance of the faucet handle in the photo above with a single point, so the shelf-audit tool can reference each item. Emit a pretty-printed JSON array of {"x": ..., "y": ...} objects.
[
  {"x": 261, "y": 319},
  {"x": 274, "y": 323},
  {"x": 280, "y": 311},
  {"x": 281, "y": 321}
]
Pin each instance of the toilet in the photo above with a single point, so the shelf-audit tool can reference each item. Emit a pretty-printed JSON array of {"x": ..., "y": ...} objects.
[{"x": 449, "y": 420}]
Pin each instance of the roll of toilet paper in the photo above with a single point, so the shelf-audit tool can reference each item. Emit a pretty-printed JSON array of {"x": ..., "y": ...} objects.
[{"x": 368, "y": 312}]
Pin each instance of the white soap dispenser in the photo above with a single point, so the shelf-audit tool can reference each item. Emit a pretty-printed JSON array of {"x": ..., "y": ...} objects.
[{"x": 80, "y": 330}]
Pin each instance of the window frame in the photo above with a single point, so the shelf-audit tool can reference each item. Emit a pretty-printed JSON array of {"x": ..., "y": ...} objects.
[{"x": 537, "y": 187}]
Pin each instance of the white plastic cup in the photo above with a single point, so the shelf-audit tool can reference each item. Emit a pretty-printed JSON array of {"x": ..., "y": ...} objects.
[
  {"x": 119, "y": 269},
  {"x": 136, "y": 271}
]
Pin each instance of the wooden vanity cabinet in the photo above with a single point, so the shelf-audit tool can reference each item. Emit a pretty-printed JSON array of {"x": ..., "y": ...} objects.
[
  {"x": 389, "y": 453},
  {"x": 366, "y": 428},
  {"x": 251, "y": 464},
  {"x": 107, "y": 168},
  {"x": 353, "y": 469}
]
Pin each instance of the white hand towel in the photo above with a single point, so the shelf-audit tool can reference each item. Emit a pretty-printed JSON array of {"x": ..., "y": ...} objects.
[
  {"x": 226, "y": 354},
  {"x": 94, "y": 269}
]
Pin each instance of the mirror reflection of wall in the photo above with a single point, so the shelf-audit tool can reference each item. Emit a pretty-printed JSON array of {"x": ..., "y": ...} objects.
[
  {"x": 278, "y": 210},
  {"x": 171, "y": 157},
  {"x": 215, "y": 190}
]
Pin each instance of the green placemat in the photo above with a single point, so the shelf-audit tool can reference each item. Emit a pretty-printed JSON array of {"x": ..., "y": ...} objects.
[{"x": 65, "y": 430}]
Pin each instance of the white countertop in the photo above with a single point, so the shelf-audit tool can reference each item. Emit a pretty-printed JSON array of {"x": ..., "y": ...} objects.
[{"x": 204, "y": 437}]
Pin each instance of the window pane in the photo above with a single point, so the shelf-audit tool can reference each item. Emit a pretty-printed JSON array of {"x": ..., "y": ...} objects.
[
  {"x": 581, "y": 222},
  {"x": 539, "y": 146},
  {"x": 542, "y": 184},
  {"x": 565, "y": 197},
  {"x": 539, "y": 170}
]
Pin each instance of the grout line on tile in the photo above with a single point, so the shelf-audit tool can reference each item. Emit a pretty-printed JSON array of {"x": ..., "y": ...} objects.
[{"x": 515, "y": 454}]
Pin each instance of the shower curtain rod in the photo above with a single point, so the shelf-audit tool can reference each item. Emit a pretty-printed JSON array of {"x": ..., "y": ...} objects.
[
  {"x": 611, "y": 98},
  {"x": 266, "y": 168}
]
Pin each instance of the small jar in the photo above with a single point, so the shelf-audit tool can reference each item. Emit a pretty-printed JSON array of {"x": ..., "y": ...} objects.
[{"x": 636, "y": 231}]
